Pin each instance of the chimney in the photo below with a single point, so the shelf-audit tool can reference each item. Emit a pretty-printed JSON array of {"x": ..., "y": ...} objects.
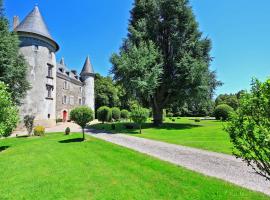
[{"x": 16, "y": 22}]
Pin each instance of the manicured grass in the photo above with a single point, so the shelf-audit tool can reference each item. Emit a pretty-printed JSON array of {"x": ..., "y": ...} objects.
[
  {"x": 208, "y": 134},
  {"x": 63, "y": 167}
]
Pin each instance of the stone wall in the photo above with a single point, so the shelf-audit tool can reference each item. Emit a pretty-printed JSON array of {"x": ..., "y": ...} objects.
[
  {"x": 39, "y": 56},
  {"x": 73, "y": 92}
]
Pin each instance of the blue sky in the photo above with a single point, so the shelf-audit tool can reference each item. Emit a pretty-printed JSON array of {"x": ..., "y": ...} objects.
[{"x": 239, "y": 30}]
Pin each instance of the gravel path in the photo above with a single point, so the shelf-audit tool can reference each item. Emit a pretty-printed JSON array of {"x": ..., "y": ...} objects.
[{"x": 217, "y": 165}]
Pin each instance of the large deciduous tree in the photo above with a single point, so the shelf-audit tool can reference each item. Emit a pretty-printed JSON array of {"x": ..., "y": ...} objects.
[
  {"x": 106, "y": 92},
  {"x": 164, "y": 58},
  {"x": 13, "y": 68}
]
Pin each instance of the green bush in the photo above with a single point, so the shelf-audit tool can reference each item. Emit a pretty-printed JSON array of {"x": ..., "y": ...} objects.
[
  {"x": 197, "y": 120},
  {"x": 39, "y": 131},
  {"x": 104, "y": 114},
  {"x": 116, "y": 114},
  {"x": 82, "y": 116},
  {"x": 249, "y": 128},
  {"x": 8, "y": 112},
  {"x": 140, "y": 115},
  {"x": 169, "y": 114},
  {"x": 59, "y": 120},
  {"x": 67, "y": 131},
  {"x": 124, "y": 114},
  {"x": 29, "y": 123},
  {"x": 222, "y": 112}
]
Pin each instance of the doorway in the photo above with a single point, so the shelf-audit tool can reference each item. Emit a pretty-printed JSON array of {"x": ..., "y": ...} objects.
[{"x": 64, "y": 116}]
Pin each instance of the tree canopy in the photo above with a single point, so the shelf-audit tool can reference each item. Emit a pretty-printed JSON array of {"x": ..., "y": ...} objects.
[
  {"x": 164, "y": 58},
  {"x": 8, "y": 112},
  {"x": 249, "y": 128},
  {"x": 13, "y": 68},
  {"x": 106, "y": 92}
]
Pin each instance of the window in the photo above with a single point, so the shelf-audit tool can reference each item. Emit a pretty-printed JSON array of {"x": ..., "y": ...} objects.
[
  {"x": 36, "y": 47},
  {"x": 80, "y": 101},
  {"x": 49, "y": 90},
  {"x": 83, "y": 101},
  {"x": 50, "y": 54},
  {"x": 50, "y": 71},
  {"x": 66, "y": 85},
  {"x": 49, "y": 116},
  {"x": 65, "y": 99},
  {"x": 71, "y": 100}
]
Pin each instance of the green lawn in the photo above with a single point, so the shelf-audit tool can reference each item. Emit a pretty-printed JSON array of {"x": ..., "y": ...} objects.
[
  {"x": 208, "y": 135},
  {"x": 63, "y": 167}
]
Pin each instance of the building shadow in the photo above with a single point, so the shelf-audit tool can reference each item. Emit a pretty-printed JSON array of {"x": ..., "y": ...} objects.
[
  {"x": 73, "y": 140},
  {"x": 3, "y": 148}
]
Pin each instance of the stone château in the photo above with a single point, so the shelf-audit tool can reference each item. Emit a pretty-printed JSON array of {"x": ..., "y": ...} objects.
[{"x": 55, "y": 89}]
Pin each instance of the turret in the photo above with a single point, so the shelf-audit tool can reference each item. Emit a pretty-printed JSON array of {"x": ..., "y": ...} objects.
[
  {"x": 38, "y": 48},
  {"x": 88, "y": 79}
]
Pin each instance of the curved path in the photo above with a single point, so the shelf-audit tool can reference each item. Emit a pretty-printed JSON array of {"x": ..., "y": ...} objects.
[{"x": 217, "y": 165}]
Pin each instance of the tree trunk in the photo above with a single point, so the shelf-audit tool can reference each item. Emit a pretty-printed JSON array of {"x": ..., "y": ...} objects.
[
  {"x": 157, "y": 115},
  {"x": 83, "y": 134},
  {"x": 140, "y": 129}
]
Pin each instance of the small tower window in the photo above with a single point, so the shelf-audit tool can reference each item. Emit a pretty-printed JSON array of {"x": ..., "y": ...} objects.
[
  {"x": 36, "y": 47},
  {"x": 80, "y": 101},
  {"x": 49, "y": 91},
  {"x": 50, "y": 71},
  {"x": 50, "y": 54},
  {"x": 49, "y": 116}
]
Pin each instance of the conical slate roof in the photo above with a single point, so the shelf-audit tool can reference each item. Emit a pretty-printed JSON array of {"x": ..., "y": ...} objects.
[
  {"x": 34, "y": 23},
  {"x": 87, "y": 68}
]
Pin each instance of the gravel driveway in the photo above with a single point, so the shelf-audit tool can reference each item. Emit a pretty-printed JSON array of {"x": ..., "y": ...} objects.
[{"x": 217, "y": 165}]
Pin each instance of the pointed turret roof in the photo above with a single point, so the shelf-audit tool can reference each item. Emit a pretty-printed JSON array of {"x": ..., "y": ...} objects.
[
  {"x": 87, "y": 68},
  {"x": 34, "y": 23}
]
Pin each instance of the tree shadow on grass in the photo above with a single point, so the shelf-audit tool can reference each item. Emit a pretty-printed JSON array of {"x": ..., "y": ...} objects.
[
  {"x": 3, "y": 148},
  {"x": 73, "y": 140},
  {"x": 123, "y": 127},
  {"x": 177, "y": 126}
]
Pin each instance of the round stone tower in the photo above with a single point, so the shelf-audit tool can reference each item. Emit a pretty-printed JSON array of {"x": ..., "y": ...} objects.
[
  {"x": 38, "y": 48},
  {"x": 88, "y": 79}
]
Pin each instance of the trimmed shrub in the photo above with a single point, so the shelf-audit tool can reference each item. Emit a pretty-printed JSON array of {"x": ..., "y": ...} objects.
[
  {"x": 169, "y": 114},
  {"x": 140, "y": 115},
  {"x": 59, "y": 120},
  {"x": 67, "y": 131},
  {"x": 29, "y": 123},
  {"x": 124, "y": 114},
  {"x": 116, "y": 113},
  {"x": 39, "y": 131},
  {"x": 222, "y": 112},
  {"x": 82, "y": 116},
  {"x": 104, "y": 114},
  {"x": 197, "y": 120},
  {"x": 129, "y": 126}
]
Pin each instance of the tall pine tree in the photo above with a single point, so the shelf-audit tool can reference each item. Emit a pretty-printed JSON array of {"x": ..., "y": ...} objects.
[
  {"x": 13, "y": 68},
  {"x": 164, "y": 58}
]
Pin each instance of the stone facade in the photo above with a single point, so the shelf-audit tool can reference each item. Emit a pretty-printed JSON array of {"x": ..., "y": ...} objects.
[{"x": 55, "y": 90}]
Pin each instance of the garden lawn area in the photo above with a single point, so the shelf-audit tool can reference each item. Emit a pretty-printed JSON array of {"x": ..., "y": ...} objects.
[
  {"x": 206, "y": 134},
  {"x": 63, "y": 167}
]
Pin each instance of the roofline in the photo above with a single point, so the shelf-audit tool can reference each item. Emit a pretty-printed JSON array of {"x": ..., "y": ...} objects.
[{"x": 57, "y": 47}]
